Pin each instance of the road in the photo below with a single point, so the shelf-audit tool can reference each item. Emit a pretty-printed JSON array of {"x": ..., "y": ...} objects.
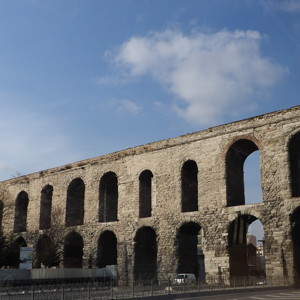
[{"x": 284, "y": 294}]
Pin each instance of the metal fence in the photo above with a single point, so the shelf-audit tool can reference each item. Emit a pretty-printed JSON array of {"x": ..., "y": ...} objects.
[{"x": 111, "y": 290}]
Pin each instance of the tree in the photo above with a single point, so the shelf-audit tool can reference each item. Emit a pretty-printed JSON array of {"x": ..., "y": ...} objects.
[
  {"x": 6, "y": 206},
  {"x": 12, "y": 251},
  {"x": 9, "y": 245},
  {"x": 48, "y": 251},
  {"x": 3, "y": 245},
  {"x": 50, "y": 243}
]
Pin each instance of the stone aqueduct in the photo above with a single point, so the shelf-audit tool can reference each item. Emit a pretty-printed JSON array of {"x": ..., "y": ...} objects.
[{"x": 149, "y": 209}]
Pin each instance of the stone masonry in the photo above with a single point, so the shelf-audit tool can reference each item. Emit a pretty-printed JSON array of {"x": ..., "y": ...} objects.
[{"x": 210, "y": 151}]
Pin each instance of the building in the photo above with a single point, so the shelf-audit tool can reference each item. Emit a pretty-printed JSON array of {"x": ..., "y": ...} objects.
[{"x": 143, "y": 209}]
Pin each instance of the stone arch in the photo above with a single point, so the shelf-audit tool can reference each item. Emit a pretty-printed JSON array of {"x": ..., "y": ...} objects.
[
  {"x": 21, "y": 206},
  {"x": 145, "y": 254},
  {"x": 294, "y": 164},
  {"x": 1, "y": 212},
  {"x": 145, "y": 194},
  {"x": 107, "y": 253},
  {"x": 13, "y": 253},
  {"x": 21, "y": 241},
  {"x": 73, "y": 250},
  {"x": 75, "y": 203},
  {"x": 187, "y": 248},
  {"x": 242, "y": 248},
  {"x": 189, "y": 186},
  {"x": 46, "y": 207},
  {"x": 108, "y": 198},
  {"x": 234, "y": 161},
  {"x": 47, "y": 253},
  {"x": 295, "y": 224}
]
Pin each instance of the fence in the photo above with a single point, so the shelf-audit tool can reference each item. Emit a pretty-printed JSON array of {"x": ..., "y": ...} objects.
[
  {"x": 59, "y": 273},
  {"x": 94, "y": 290}
]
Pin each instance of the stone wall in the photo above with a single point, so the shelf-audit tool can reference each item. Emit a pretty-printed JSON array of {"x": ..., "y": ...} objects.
[{"x": 270, "y": 133}]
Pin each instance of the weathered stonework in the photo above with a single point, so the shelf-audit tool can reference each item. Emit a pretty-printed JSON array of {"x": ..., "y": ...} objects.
[{"x": 270, "y": 133}]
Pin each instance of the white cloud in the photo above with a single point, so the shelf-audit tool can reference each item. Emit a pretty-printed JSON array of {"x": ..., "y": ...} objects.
[
  {"x": 129, "y": 106},
  {"x": 121, "y": 106},
  {"x": 290, "y": 6},
  {"x": 210, "y": 75}
]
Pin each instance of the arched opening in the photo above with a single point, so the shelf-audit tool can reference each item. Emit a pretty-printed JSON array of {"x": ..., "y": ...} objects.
[
  {"x": 256, "y": 249},
  {"x": 47, "y": 252},
  {"x": 295, "y": 223},
  {"x": 189, "y": 186},
  {"x": 73, "y": 250},
  {"x": 107, "y": 250},
  {"x": 1, "y": 213},
  {"x": 145, "y": 254},
  {"x": 21, "y": 205},
  {"x": 252, "y": 179},
  {"x": 246, "y": 248},
  {"x": 12, "y": 256},
  {"x": 108, "y": 198},
  {"x": 45, "y": 207},
  {"x": 75, "y": 203},
  {"x": 188, "y": 246},
  {"x": 145, "y": 194},
  {"x": 235, "y": 159},
  {"x": 294, "y": 161}
]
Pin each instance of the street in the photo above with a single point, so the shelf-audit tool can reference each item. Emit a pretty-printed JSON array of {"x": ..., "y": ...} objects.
[{"x": 283, "y": 294}]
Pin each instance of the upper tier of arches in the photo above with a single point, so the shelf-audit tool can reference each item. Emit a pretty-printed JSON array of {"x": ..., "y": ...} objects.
[{"x": 237, "y": 154}]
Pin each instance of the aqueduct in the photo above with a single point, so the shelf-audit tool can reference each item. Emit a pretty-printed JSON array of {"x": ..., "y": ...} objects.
[{"x": 151, "y": 208}]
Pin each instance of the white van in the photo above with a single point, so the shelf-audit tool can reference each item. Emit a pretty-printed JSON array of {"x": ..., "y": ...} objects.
[{"x": 185, "y": 278}]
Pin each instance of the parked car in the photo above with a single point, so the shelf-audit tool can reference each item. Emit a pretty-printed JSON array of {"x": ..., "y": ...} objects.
[
  {"x": 185, "y": 278},
  {"x": 258, "y": 280}
]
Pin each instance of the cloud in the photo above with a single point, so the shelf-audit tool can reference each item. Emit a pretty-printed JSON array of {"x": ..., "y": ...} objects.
[
  {"x": 121, "y": 106},
  {"x": 210, "y": 74},
  {"x": 290, "y": 6},
  {"x": 129, "y": 106},
  {"x": 125, "y": 106}
]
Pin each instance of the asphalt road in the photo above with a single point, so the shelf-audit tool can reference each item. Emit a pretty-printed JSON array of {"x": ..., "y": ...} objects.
[{"x": 284, "y": 294}]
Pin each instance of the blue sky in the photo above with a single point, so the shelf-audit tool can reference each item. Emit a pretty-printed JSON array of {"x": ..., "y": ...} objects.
[{"x": 82, "y": 78}]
